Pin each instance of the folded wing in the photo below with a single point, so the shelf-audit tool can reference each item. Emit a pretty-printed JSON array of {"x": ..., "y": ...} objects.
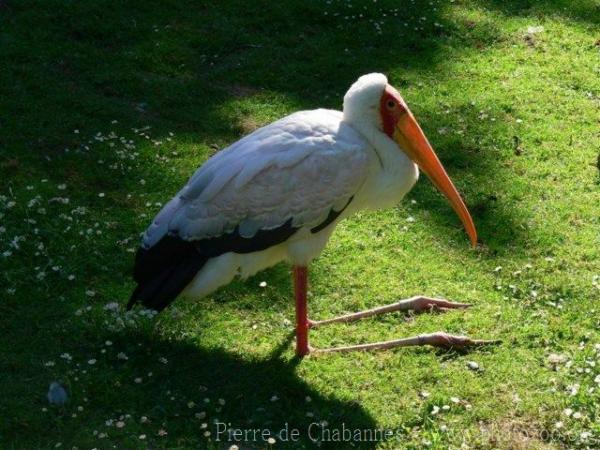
[{"x": 291, "y": 177}]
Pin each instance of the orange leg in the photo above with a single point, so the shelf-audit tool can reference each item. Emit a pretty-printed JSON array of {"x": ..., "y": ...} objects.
[
  {"x": 417, "y": 304},
  {"x": 302, "y": 325}
]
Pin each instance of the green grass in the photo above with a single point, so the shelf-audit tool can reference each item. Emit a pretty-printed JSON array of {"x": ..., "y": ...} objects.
[{"x": 154, "y": 88}]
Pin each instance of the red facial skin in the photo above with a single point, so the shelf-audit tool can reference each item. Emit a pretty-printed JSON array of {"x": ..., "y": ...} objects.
[
  {"x": 401, "y": 126},
  {"x": 391, "y": 108}
]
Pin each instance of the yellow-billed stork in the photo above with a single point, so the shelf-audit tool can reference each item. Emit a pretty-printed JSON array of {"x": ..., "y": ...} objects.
[{"x": 278, "y": 193}]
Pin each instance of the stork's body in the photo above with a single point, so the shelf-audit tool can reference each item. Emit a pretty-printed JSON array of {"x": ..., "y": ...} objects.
[
  {"x": 376, "y": 187},
  {"x": 277, "y": 195}
]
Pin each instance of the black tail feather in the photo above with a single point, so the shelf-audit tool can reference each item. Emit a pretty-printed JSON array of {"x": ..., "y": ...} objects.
[{"x": 163, "y": 271}]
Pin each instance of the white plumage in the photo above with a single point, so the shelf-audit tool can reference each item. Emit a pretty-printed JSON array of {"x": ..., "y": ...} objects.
[
  {"x": 278, "y": 193},
  {"x": 299, "y": 168}
]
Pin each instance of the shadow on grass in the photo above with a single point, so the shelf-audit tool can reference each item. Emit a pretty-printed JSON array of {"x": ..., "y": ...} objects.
[{"x": 176, "y": 386}]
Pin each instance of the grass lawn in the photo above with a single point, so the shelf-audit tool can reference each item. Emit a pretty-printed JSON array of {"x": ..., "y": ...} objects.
[{"x": 107, "y": 107}]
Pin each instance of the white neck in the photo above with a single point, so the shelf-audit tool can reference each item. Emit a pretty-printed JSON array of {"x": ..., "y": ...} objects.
[{"x": 392, "y": 172}]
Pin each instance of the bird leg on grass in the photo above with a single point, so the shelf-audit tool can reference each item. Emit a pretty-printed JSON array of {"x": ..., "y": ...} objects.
[
  {"x": 439, "y": 339},
  {"x": 302, "y": 324},
  {"x": 418, "y": 304}
]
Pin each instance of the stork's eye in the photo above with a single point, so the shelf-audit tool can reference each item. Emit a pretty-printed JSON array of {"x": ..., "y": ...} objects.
[{"x": 391, "y": 104}]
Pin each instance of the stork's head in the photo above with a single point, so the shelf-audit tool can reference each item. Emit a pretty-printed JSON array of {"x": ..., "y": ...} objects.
[{"x": 372, "y": 101}]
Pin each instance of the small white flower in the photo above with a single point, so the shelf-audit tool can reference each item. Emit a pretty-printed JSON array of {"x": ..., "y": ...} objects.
[
  {"x": 435, "y": 410},
  {"x": 535, "y": 30},
  {"x": 472, "y": 365},
  {"x": 263, "y": 284},
  {"x": 113, "y": 306},
  {"x": 574, "y": 389},
  {"x": 122, "y": 356},
  {"x": 91, "y": 362}
]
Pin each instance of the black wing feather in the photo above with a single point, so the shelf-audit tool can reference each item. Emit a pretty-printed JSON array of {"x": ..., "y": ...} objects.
[{"x": 165, "y": 269}]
